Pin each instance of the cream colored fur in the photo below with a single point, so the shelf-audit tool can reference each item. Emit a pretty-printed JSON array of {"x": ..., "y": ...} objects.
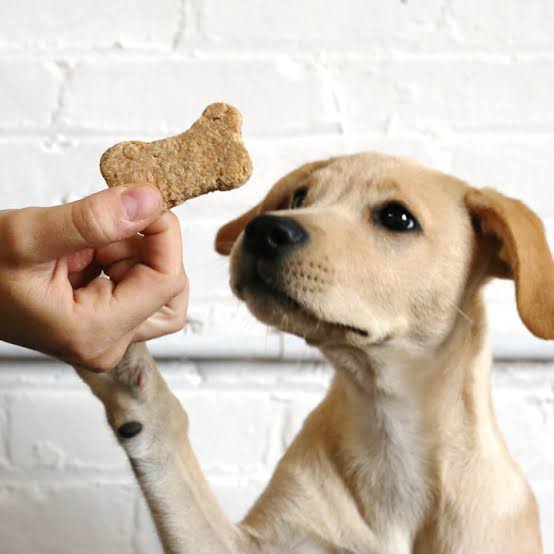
[{"x": 403, "y": 455}]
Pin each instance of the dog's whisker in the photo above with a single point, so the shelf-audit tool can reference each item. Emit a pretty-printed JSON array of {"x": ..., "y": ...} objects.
[{"x": 464, "y": 315}]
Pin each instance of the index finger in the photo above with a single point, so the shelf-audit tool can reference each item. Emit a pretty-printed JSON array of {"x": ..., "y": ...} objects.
[{"x": 162, "y": 248}]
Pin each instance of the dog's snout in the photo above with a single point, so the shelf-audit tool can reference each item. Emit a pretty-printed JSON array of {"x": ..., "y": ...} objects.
[{"x": 268, "y": 236}]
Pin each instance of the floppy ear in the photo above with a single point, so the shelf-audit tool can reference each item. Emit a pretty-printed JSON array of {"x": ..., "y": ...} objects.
[
  {"x": 277, "y": 198},
  {"x": 520, "y": 252},
  {"x": 228, "y": 234}
]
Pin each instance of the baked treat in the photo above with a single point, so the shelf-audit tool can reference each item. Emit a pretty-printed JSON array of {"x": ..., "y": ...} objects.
[{"x": 209, "y": 156}]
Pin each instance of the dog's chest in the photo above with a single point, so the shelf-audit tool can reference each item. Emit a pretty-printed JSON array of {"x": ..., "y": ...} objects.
[{"x": 387, "y": 469}]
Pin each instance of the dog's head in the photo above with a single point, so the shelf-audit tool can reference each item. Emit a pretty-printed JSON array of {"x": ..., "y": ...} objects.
[{"x": 369, "y": 250}]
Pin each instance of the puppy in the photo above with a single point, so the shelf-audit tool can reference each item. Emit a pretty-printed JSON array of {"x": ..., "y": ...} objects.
[{"x": 380, "y": 263}]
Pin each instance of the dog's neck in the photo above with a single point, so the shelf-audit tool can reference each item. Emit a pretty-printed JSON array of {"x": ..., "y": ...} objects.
[
  {"x": 410, "y": 414},
  {"x": 454, "y": 375}
]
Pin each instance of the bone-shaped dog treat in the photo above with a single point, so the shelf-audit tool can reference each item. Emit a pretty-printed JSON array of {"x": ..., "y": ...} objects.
[{"x": 209, "y": 156}]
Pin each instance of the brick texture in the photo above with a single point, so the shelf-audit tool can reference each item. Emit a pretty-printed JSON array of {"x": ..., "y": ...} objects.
[
  {"x": 29, "y": 94},
  {"x": 63, "y": 23}
]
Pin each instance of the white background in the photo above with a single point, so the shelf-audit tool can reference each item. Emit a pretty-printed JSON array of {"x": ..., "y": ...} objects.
[{"x": 463, "y": 85}]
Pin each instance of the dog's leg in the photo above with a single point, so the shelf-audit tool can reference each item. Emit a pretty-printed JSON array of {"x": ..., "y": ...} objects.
[{"x": 151, "y": 425}]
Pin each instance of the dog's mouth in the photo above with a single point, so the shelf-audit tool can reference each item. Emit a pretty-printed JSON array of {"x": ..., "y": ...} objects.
[{"x": 258, "y": 286}]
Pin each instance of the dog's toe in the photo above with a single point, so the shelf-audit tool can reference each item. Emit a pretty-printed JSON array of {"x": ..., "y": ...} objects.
[{"x": 133, "y": 370}]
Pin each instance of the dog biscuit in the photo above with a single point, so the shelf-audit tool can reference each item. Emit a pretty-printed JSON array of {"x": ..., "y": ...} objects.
[{"x": 209, "y": 156}]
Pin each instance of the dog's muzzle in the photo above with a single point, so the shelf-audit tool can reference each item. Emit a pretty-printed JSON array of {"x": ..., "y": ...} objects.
[{"x": 270, "y": 236}]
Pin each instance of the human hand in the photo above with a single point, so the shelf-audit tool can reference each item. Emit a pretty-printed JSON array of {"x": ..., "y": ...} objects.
[{"x": 53, "y": 297}]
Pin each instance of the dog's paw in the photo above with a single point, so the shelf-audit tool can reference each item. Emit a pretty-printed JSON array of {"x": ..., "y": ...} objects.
[
  {"x": 139, "y": 406},
  {"x": 134, "y": 369},
  {"x": 128, "y": 393},
  {"x": 130, "y": 376}
]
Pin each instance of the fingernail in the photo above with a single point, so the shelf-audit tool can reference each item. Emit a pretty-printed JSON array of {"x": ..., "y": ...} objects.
[{"x": 141, "y": 202}]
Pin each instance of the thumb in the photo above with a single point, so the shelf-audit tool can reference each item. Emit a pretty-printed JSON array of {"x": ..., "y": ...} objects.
[{"x": 97, "y": 220}]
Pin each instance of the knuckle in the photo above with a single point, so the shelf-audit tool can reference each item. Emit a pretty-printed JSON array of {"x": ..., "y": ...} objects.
[
  {"x": 171, "y": 222},
  {"x": 180, "y": 320},
  {"x": 172, "y": 285},
  {"x": 181, "y": 283},
  {"x": 90, "y": 221},
  {"x": 173, "y": 219},
  {"x": 176, "y": 322}
]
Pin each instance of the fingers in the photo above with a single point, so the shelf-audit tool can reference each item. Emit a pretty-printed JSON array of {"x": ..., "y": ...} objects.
[
  {"x": 141, "y": 293},
  {"x": 121, "y": 250},
  {"x": 79, "y": 260},
  {"x": 44, "y": 234},
  {"x": 83, "y": 278},
  {"x": 145, "y": 296},
  {"x": 117, "y": 271},
  {"x": 170, "y": 319},
  {"x": 159, "y": 247},
  {"x": 121, "y": 319},
  {"x": 162, "y": 246}
]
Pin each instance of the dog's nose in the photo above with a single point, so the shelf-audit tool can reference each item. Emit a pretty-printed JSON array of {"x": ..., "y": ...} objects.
[{"x": 267, "y": 236}]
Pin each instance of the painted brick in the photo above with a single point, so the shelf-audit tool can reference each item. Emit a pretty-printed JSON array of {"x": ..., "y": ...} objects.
[
  {"x": 439, "y": 95},
  {"x": 168, "y": 95},
  {"x": 354, "y": 24},
  {"x": 208, "y": 271},
  {"x": 18, "y": 375},
  {"x": 238, "y": 495},
  {"x": 47, "y": 172},
  {"x": 272, "y": 376},
  {"x": 3, "y": 432},
  {"x": 480, "y": 24},
  {"x": 523, "y": 395},
  {"x": 243, "y": 445},
  {"x": 87, "y": 518},
  {"x": 519, "y": 166},
  {"x": 528, "y": 432},
  {"x": 28, "y": 96},
  {"x": 88, "y": 23},
  {"x": 56, "y": 431},
  {"x": 298, "y": 405},
  {"x": 358, "y": 25}
]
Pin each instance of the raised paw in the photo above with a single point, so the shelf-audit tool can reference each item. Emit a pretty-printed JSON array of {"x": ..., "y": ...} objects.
[
  {"x": 134, "y": 368},
  {"x": 129, "y": 391},
  {"x": 139, "y": 406},
  {"x": 131, "y": 377}
]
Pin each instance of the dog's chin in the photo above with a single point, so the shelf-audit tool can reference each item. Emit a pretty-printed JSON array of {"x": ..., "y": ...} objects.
[{"x": 279, "y": 309}]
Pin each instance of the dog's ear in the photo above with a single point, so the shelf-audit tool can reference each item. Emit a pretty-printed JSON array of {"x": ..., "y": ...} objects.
[
  {"x": 517, "y": 249},
  {"x": 278, "y": 198},
  {"x": 228, "y": 234}
]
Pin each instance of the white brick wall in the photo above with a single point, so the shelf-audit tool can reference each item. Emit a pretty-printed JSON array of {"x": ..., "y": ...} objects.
[{"x": 464, "y": 85}]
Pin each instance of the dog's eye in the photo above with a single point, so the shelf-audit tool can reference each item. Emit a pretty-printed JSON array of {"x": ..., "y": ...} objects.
[
  {"x": 298, "y": 198},
  {"x": 395, "y": 217}
]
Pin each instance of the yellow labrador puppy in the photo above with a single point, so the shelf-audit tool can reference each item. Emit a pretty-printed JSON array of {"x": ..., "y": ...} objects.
[{"x": 380, "y": 263}]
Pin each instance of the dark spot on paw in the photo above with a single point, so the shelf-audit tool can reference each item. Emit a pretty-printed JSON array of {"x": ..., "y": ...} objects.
[{"x": 130, "y": 429}]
